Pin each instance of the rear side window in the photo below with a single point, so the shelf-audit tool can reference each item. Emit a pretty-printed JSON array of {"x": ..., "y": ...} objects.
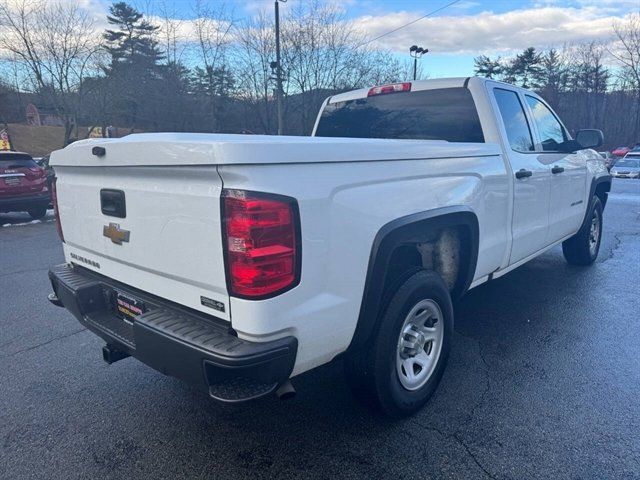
[
  {"x": 550, "y": 129},
  {"x": 440, "y": 114},
  {"x": 514, "y": 119},
  {"x": 16, "y": 160}
]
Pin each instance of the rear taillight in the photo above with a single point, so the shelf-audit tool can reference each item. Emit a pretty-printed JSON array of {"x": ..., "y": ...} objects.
[
  {"x": 56, "y": 212},
  {"x": 393, "y": 88},
  {"x": 261, "y": 233}
]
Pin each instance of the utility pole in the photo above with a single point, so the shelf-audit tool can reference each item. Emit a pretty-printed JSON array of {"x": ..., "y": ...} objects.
[
  {"x": 416, "y": 52},
  {"x": 278, "y": 70}
]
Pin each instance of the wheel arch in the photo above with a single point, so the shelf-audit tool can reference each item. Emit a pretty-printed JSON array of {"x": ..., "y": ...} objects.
[
  {"x": 601, "y": 187},
  {"x": 400, "y": 237}
]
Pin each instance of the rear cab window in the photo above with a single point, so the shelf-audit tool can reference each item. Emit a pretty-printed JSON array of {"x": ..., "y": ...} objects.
[{"x": 448, "y": 114}]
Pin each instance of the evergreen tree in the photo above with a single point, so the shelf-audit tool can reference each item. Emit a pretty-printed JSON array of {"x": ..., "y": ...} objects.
[
  {"x": 214, "y": 81},
  {"x": 215, "y": 86},
  {"x": 525, "y": 69},
  {"x": 553, "y": 77},
  {"x": 486, "y": 67},
  {"x": 133, "y": 41},
  {"x": 134, "y": 74}
]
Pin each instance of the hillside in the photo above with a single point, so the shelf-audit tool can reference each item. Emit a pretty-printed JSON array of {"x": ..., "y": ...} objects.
[
  {"x": 40, "y": 141},
  {"x": 37, "y": 141}
]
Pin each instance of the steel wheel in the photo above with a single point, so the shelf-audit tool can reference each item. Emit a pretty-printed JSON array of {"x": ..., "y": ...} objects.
[
  {"x": 419, "y": 344},
  {"x": 594, "y": 232}
]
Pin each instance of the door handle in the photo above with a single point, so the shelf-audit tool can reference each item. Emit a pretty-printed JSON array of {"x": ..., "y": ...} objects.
[
  {"x": 557, "y": 170},
  {"x": 522, "y": 173}
]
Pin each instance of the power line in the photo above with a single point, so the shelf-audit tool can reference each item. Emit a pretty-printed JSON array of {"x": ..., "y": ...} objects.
[{"x": 407, "y": 24}]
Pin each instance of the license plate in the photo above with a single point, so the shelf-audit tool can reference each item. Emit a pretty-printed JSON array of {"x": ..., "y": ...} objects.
[
  {"x": 12, "y": 181},
  {"x": 128, "y": 307}
]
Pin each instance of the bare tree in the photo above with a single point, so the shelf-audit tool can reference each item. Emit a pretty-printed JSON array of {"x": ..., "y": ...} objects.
[
  {"x": 626, "y": 50},
  {"x": 173, "y": 42},
  {"x": 213, "y": 31},
  {"x": 255, "y": 51},
  {"x": 51, "y": 44},
  {"x": 322, "y": 54}
]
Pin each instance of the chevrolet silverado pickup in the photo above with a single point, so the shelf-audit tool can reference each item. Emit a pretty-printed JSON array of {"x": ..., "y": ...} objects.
[{"x": 236, "y": 262}]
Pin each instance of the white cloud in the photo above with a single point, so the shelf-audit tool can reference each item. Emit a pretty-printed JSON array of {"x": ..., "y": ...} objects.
[
  {"x": 453, "y": 32},
  {"x": 489, "y": 32}
]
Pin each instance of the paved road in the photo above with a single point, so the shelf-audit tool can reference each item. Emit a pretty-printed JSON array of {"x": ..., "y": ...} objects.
[{"x": 543, "y": 382}]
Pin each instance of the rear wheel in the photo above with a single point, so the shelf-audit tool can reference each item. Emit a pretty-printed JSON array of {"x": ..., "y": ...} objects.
[
  {"x": 583, "y": 247},
  {"x": 404, "y": 363},
  {"x": 38, "y": 213}
]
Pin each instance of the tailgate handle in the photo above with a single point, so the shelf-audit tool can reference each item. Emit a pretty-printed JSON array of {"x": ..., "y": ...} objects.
[{"x": 112, "y": 203}]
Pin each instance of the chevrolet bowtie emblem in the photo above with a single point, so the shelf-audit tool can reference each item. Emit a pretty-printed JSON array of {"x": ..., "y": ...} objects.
[{"x": 116, "y": 235}]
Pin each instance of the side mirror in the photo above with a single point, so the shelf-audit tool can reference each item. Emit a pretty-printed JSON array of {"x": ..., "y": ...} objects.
[{"x": 590, "y": 138}]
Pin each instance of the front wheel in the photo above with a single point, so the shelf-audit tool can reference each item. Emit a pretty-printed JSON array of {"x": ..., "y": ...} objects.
[
  {"x": 583, "y": 247},
  {"x": 402, "y": 366}
]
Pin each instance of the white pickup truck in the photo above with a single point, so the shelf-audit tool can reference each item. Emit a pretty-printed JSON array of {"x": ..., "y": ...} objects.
[{"x": 236, "y": 262}]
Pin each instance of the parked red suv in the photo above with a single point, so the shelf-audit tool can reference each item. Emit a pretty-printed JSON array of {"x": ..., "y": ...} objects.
[{"x": 23, "y": 185}]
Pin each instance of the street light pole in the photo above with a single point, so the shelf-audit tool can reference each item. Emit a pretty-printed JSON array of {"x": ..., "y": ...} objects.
[
  {"x": 278, "y": 69},
  {"x": 416, "y": 52}
]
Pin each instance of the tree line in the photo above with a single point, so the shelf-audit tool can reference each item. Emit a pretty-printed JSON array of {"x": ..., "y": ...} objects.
[
  {"x": 589, "y": 85},
  {"x": 143, "y": 74},
  {"x": 214, "y": 73}
]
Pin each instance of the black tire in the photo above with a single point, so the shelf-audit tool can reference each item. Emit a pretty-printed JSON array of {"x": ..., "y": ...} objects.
[
  {"x": 372, "y": 373},
  {"x": 579, "y": 249},
  {"x": 38, "y": 213}
]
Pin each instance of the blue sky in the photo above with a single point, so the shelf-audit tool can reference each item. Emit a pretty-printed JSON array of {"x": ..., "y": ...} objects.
[{"x": 458, "y": 33}]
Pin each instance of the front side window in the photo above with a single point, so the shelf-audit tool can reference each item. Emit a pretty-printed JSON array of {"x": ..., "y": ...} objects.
[
  {"x": 551, "y": 131},
  {"x": 514, "y": 119}
]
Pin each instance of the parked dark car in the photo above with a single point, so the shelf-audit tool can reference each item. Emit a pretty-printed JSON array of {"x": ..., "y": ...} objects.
[{"x": 23, "y": 185}]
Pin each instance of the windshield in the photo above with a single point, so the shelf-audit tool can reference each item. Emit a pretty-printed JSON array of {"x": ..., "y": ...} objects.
[
  {"x": 16, "y": 160},
  {"x": 439, "y": 114},
  {"x": 628, "y": 162}
]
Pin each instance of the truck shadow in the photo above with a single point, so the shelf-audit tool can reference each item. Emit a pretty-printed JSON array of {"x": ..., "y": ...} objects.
[{"x": 499, "y": 326}]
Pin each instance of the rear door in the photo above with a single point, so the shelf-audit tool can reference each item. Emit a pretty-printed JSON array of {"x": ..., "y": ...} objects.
[
  {"x": 568, "y": 171},
  {"x": 531, "y": 175}
]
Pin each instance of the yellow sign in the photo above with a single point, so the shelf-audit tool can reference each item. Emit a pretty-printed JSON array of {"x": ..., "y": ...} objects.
[
  {"x": 5, "y": 141},
  {"x": 95, "y": 132}
]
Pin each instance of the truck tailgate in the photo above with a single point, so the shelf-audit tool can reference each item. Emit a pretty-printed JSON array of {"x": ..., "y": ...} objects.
[{"x": 173, "y": 248}]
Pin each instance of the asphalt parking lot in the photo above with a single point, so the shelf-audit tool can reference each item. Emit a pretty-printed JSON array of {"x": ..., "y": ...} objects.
[{"x": 543, "y": 382}]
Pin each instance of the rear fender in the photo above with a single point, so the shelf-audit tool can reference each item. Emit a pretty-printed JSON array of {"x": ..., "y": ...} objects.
[{"x": 411, "y": 230}]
